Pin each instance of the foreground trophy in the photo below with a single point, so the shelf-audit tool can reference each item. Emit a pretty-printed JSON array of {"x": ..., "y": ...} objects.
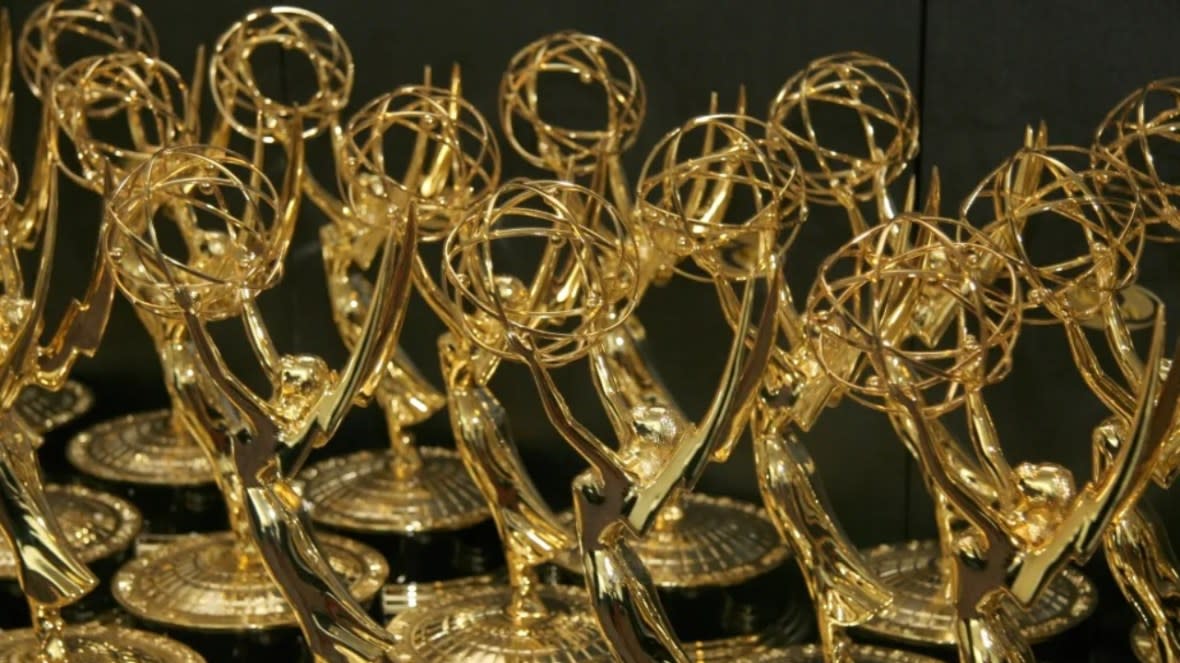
[
  {"x": 223, "y": 584},
  {"x": 452, "y": 163},
  {"x": 51, "y": 574},
  {"x": 1016, "y": 527},
  {"x": 698, "y": 540}
]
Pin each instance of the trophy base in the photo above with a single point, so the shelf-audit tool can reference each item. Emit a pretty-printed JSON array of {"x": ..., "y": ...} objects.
[
  {"x": 1143, "y": 646},
  {"x": 361, "y": 493},
  {"x": 814, "y": 654},
  {"x": 717, "y": 542},
  {"x": 920, "y": 615},
  {"x": 472, "y": 626},
  {"x": 140, "y": 449},
  {"x": 140, "y": 458},
  {"x": 95, "y": 643},
  {"x": 205, "y": 582},
  {"x": 48, "y": 410},
  {"x": 99, "y": 528}
]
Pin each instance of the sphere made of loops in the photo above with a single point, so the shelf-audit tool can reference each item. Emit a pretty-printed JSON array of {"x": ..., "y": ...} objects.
[
  {"x": 549, "y": 261},
  {"x": 148, "y": 94},
  {"x": 442, "y": 124},
  {"x": 1075, "y": 227},
  {"x": 740, "y": 160},
  {"x": 831, "y": 89},
  {"x": 591, "y": 61},
  {"x": 93, "y": 27},
  {"x": 1141, "y": 134},
  {"x": 867, "y": 291},
  {"x": 196, "y": 217},
  {"x": 238, "y": 93}
]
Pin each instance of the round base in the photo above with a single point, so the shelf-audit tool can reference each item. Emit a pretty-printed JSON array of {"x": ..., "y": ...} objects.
[
  {"x": 472, "y": 626},
  {"x": 94, "y": 643},
  {"x": 922, "y": 616},
  {"x": 1143, "y": 646},
  {"x": 718, "y": 542},
  {"x": 814, "y": 654},
  {"x": 140, "y": 449},
  {"x": 96, "y": 525},
  {"x": 360, "y": 493},
  {"x": 49, "y": 410},
  {"x": 202, "y": 583}
]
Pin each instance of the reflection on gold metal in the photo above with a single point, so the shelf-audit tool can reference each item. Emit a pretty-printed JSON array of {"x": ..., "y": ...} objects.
[
  {"x": 51, "y": 573},
  {"x": 49, "y": 410},
  {"x": 1137, "y": 135},
  {"x": 256, "y": 443},
  {"x": 453, "y": 164},
  {"x": 1005, "y": 530}
]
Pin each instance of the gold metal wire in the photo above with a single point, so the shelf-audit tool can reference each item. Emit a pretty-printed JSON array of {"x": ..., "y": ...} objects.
[
  {"x": 585, "y": 283},
  {"x": 446, "y": 128},
  {"x": 886, "y": 116},
  {"x": 725, "y": 190},
  {"x": 148, "y": 94},
  {"x": 93, "y": 27},
  {"x": 9, "y": 183},
  {"x": 1140, "y": 134},
  {"x": 237, "y": 92},
  {"x": 1059, "y": 187},
  {"x": 224, "y": 209},
  {"x": 867, "y": 290},
  {"x": 593, "y": 61}
]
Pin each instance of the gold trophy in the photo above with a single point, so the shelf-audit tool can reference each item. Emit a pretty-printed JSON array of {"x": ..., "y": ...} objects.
[
  {"x": 452, "y": 164},
  {"x": 698, "y": 540},
  {"x": 1012, "y": 528},
  {"x": 234, "y": 227},
  {"x": 114, "y": 26},
  {"x": 49, "y": 560}
]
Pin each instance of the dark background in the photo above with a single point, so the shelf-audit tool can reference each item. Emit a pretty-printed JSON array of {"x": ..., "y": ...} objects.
[{"x": 982, "y": 71}]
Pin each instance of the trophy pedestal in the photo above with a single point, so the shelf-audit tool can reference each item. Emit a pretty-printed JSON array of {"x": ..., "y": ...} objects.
[
  {"x": 141, "y": 458},
  {"x": 202, "y": 590},
  {"x": 1143, "y": 646},
  {"x": 49, "y": 410},
  {"x": 99, "y": 529},
  {"x": 361, "y": 493},
  {"x": 473, "y": 626},
  {"x": 814, "y": 654},
  {"x": 96, "y": 643},
  {"x": 432, "y": 527},
  {"x": 920, "y": 615}
]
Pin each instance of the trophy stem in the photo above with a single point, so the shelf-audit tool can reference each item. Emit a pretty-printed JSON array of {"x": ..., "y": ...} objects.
[
  {"x": 525, "y": 605},
  {"x": 405, "y": 461},
  {"x": 671, "y": 514},
  {"x": 49, "y": 628}
]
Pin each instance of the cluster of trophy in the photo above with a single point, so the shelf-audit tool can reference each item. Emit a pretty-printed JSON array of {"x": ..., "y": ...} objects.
[{"x": 914, "y": 316}]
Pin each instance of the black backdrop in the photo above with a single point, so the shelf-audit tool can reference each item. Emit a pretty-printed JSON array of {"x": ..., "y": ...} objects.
[{"x": 982, "y": 72}]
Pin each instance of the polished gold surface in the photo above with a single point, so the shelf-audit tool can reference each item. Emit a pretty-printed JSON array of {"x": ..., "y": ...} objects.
[
  {"x": 207, "y": 582},
  {"x": 362, "y": 493},
  {"x": 96, "y": 525},
  {"x": 96, "y": 643},
  {"x": 49, "y": 410},
  {"x": 142, "y": 448},
  {"x": 921, "y": 611},
  {"x": 703, "y": 541},
  {"x": 567, "y": 633},
  {"x": 855, "y": 654}
]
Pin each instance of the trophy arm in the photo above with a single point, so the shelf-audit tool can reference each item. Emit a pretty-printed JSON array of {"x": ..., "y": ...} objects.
[
  {"x": 296, "y": 167},
  {"x": 1107, "y": 497},
  {"x": 1112, "y": 395},
  {"x": 1118, "y": 336},
  {"x": 1145, "y": 567},
  {"x": 49, "y": 572},
  {"x": 626, "y": 380},
  {"x": 6, "y": 98},
  {"x": 623, "y": 595},
  {"x": 336, "y": 628},
  {"x": 845, "y": 592},
  {"x": 327, "y": 202}
]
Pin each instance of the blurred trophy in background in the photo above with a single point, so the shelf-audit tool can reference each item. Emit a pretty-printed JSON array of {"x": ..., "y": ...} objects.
[
  {"x": 234, "y": 228},
  {"x": 1013, "y": 528},
  {"x": 51, "y": 37},
  {"x": 698, "y": 541},
  {"x": 49, "y": 555},
  {"x": 451, "y": 163}
]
